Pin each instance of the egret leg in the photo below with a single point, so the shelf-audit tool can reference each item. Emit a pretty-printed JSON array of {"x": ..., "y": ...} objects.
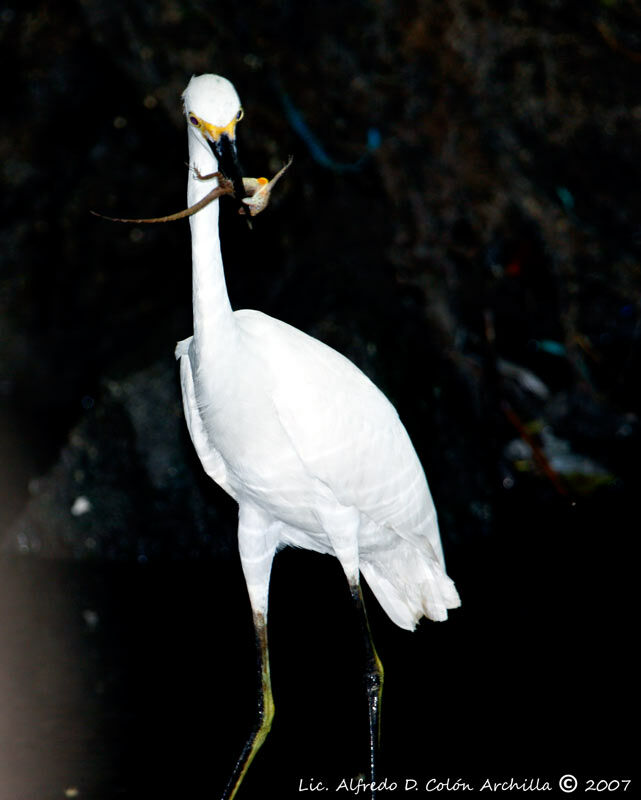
[
  {"x": 373, "y": 682},
  {"x": 265, "y": 711},
  {"x": 257, "y": 542}
]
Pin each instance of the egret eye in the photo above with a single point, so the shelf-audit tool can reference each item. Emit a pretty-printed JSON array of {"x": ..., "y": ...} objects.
[
  {"x": 194, "y": 120},
  {"x": 240, "y": 115}
]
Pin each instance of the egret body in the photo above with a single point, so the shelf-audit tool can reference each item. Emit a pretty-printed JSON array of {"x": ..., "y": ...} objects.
[{"x": 313, "y": 453}]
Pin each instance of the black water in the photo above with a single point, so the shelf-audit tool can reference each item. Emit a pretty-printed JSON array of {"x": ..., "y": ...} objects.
[{"x": 125, "y": 680}]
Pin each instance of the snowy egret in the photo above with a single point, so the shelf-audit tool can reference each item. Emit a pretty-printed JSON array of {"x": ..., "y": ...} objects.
[{"x": 314, "y": 454}]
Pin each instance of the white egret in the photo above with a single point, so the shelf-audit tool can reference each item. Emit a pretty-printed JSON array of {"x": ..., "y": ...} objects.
[{"x": 311, "y": 450}]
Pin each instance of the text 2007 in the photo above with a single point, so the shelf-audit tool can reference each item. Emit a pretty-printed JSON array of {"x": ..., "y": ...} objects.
[{"x": 607, "y": 786}]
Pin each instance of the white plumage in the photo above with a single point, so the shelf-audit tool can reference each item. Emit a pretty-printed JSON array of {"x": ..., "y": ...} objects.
[{"x": 311, "y": 450}]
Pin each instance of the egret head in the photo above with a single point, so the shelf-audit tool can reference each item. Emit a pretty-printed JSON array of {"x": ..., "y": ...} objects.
[{"x": 212, "y": 109}]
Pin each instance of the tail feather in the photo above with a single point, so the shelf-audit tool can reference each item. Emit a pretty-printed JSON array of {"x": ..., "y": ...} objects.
[{"x": 410, "y": 584}]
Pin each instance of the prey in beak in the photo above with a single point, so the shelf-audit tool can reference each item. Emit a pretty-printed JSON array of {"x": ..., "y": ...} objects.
[
  {"x": 257, "y": 193},
  {"x": 252, "y": 194}
]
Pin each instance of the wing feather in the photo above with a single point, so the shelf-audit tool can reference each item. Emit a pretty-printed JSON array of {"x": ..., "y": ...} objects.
[
  {"x": 209, "y": 456},
  {"x": 345, "y": 430}
]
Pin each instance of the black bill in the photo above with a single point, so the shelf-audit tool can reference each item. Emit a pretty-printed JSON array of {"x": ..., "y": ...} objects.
[{"x": 225, "y": 152}]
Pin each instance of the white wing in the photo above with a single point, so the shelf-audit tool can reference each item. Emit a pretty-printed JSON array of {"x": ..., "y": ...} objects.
[
  {"x": 345, "y": 431},
  {"x": 349, "y": 437},
  {"x": 209, "y": 456}
]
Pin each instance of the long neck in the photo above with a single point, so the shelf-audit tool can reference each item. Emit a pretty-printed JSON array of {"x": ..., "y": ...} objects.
[{"x": 213, "y": 318}]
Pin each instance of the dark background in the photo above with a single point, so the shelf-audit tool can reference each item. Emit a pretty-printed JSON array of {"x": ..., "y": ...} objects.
[{"x": 480, "y": 261}]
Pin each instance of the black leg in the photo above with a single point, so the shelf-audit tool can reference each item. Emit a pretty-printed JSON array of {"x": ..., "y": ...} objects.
[
  {"x": 373, "y": 682},
  {"x": 265, "y": 711}
]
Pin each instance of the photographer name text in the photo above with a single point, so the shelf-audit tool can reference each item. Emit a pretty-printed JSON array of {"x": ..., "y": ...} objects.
[{"x": 359, "y": 786}]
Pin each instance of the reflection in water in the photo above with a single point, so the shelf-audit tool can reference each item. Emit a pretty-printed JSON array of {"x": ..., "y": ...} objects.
[
  {"x": 45, "y": 726},
  {"x": 107, "y": 682}
]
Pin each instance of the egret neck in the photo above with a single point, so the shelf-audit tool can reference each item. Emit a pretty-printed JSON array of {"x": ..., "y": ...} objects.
[{"x": 214, "y": 325}]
